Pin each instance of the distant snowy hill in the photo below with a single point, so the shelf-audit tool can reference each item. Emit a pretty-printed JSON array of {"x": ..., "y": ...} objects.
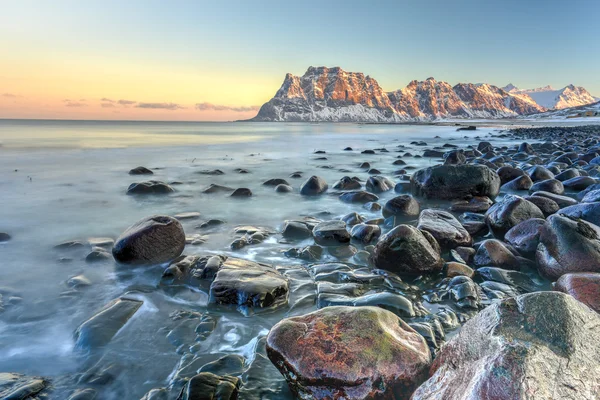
[
  {"x": 588, "y": 112},
  {"x": 332, "y": 94},
  {"x": 556, "y": 99}
]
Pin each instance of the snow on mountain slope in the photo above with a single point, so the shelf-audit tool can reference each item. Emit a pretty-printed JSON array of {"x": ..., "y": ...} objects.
[
  {"x": 588, "y": 112},
  {"x": 550, "y": 98}
]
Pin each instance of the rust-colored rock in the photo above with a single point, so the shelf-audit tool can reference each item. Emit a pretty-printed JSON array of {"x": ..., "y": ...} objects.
[
  {"x": 349, "y": 353},
  {"x": 584, "y": 286}
]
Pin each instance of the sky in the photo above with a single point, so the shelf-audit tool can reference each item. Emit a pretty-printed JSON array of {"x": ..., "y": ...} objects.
[{"x": 221, "y": 59}]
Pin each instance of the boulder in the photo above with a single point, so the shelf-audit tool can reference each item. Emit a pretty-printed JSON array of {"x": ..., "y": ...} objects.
[
  {"x": 514, "y": 350},
  {"x": 568, "y": 245},
  {"x": 493, "y": 253},
  {"x": 407, "y": 250},
  {"x": 379, "y": 184},
  {"x": 547, "y": 206},
  {"x": 152, "y": 240},
  {"x": 584, "y": 286},
  {"x": 241, "y": 192},
  {"x": 525, "y": 236},
  {"x": 446, "y": 229},
  {"x": 350, "y": 353},
  {"x": 149, "y": 187},
  {"x": 313, "y": 186},
  {"x": 359, "y": 196},
  {"x": 347, "y": 183},
  {"x": 451, "y": 182},
  {"x": 562, "y": 201},
  {"x": 140, "y": 171},
  {"x": 476, "y": 204},
  {"x": 365, "y": 233},
  {"x": 579, "y": 183},
  {"x": 549, "y": 185},
  {"x": 104, "y": 325},
  {"x": 331, "y": 233},
  {"x": 401, "y": 206},
  {"x": 589, "y": 212},
  {"x": 281, "y": 188},
  {"x": 208, "y": 386},
  {"x": 508, "y": 173},
  {"x": 539, "y": 173},
  {"x": 522, "y": 182},
  {"x": 508, "y": 212}
]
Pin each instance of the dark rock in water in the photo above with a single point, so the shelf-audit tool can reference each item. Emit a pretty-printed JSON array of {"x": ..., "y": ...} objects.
[
  {"x": 296, "y": 230},
  {"x": 208, "y": 386},
  {"x": 348, "y": 149},
  {"x": 331, "y": 233},
  {"x": 458, "y": 269},
  {"x": 281, "y": 188},
  {"x": 402, "y": 187},
  {"x": 401, "y": 206},
  {"x": 364, "y": 165},
  {"x": 549, "y": 185},
  {"x": 465, "y": 253},
  {"x": 359, "y": 196},
  {"x": 567, "y": 174},
  {"x": 446, "y": 229},
  {"x": 510, "y": 211},
  {"x": 350, "y": 353},
  {"x": 140, "y": 171},
  {"x": 485, "y": 147},
  {"x": 568, "y": 245},
  {"x": 152, "y": 240},
  {"x": 522, "y": 182},
  {"x": 100, "y": 329},
  {"x": 347, "y": 183},
  {"x": 513, "y": 346},
  {"x": 4, "y": 237},
  {"x": 547, "y": 206},
  {"x": 309, "y": 253},
  {"x": 467, "y": 128},
  {"x": 583, "y": 286},
  {"x": 98, "y": 254},
  {"x": 464, "y": 292},
  {"x": 214, "y": 188},
  {"x": 451, "y": 182},
  {"x": 149, "y": 187},
  {"x": 210, "y": 223},
  {"x": 562, "y": 201},
  {"x": 379, "y": 184},
  {"x": 154, "y": 394},
  {"x": 365, "y": 233},
  {"x": 275, "y": 182},
  {"x": 21, "y": 387},
  {"x": 372, "y": 206},
  {"x": 407, "y": 250},
  {"x": 352, "y": 219},
  {"x": 211, "y": 172},
  {"x": 475, "y": 204},
  {"x": 393, "y": 302},
  {"x": 313, "y": 186},
  {"x": 539, "y": 173},
  {"x": 241, "y": 192},
  {"x": 493, "y": 253},
  {"x": 455, "y": 158},
  {"x": 248, "y": 284},
  {"x": 343, "y": 252},
  {"x": 508, "y": 173},
  {"x": 373, "y": 171},
  {"x": 433, "y": 153},
  {"x": 579, "y": 183},
  {"x": 296, "y": 175},
  {"x": 367, "y": 152},
  {"x": 515, "y": 279},
  {"x": 589, "y": 212},
  {"x": 399, "y": 162},
  {"x": 525, "y": 236}
]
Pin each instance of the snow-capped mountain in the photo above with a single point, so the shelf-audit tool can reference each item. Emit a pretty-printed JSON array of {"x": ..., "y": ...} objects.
[
  {"x": 588, "y": 112},
  {"x": 556, "y": 99},
  {"x": 332, "y": 94}
]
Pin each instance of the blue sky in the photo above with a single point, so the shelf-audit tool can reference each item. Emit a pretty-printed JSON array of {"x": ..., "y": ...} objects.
[{"x": 237, "y": 52}]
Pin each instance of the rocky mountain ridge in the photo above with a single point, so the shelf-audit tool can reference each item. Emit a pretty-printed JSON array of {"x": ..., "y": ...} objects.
[
  {"x": 555, "y": 99},
  {"x": 334, "y": 95}
]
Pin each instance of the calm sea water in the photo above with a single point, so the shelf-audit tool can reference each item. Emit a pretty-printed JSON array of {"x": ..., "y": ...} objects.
[{"x": 66, "y": 180}]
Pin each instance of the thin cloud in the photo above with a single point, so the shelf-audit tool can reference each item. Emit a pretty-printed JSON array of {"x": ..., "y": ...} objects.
[
  {"x": 126, "y": 102},
  {"x": 10, "y": 95},
  {"x": 163, "y": 106},
  {"x": 74, "y": 104},
  {"x": 107, "y": 105},
  {"x": 107, "y": 100},
  {"x": 219, "y": 107}
]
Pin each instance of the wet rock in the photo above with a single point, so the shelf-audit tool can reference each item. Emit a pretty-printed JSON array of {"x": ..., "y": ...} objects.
[
  {"x": 549, "y": 185},
  {"x": 567, "y": 174},
  {"x": 512, "y": 350},
  {"x": 446, "y": 229},
  {"x": 458, "y": 269},
  {"x": 522, "y": 182},
  {"x": 349, "y": 352},
  {"x": 313, "y": 186},
  {"x": 407, "y": 250},
  {"x": 464, "y": 292},
  {"x": 156, "y": 394},
  {"x": 476, "y": 204},
  {"x": 99, "y": 330},
  {"x": 568, "y": 245},
  {"x": 579, "y": 183},
  {"x": 342, "y": 252},
  {"x": 451, "y": 182},
  {"x": 510, "y": 211},
  {"x": 210, "y": 223},
  {"x": 393, "y": 302},
  {"x": 309, "y": 253},
  {"x": 4, "y": 237},
  {"x": 508, "y": 173},
  {"x": 372, "y": 206},
  {"x": 241, "y": 192},
  {"x": 83, "y": 394},
  {"x": 281, "y": 188},
  {"x": 562, "y": 201},
  {"x": 365, "y": 233},
  {"x": 539, "y": 173},
  {"x": 359, "y": 196},
  {"x": 465, "y": 253},
  {"x": 347, "y": 183},
  {"x": 140, "y": 171},
  {"x": 152, "y": 240},
  {"x": 331, "y": 233},
  {"x": 275, "y": 182},
  {"x": 248, "y": 284},
  {"x": 589, "y": 212},
  {"x": 149, "y": 187},
  {"x": 515, "y": 279},
  {"x": 296, "y": 230},
  {"x": 547, "y": 206},
  {"x": 525, "y": 236},
  {"x": 455, "y": 158},
  {"x": 592, "y": 196},
  {"x": 15, "y": 386},
  {"x": 187, "y": 215},
  {"x": 208, "y": 386},
  {"x": 98, "y": 254},
  {"x": 583, "y": 286},
  {"x": 214, "y": 188},
  {"x": 379, "y": 184},
  {"x": 493, "y": 253}
]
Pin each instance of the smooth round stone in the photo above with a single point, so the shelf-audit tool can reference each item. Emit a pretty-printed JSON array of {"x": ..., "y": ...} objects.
[
  {"x": 283, "y": 188},
  {"x": 401, "y": 206},
  {"x": 331, "y": 233},
  {"x": 584, "y": 286},
  {"x": 313, "y": 186}
]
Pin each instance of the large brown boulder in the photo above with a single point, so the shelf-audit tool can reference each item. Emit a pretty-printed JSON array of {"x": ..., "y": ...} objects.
[
  {"x": 446, "y": 229},
  {"x": 451, "y": 182},
  {"x": 536, "y": 346},
  {"x": 152, "y": 240},
  {"x": 349, "y": 353},
  {"x": 407, "y": 250},
  {"x": 509, "y": 212},
  {"x": 584, "y": 286}
]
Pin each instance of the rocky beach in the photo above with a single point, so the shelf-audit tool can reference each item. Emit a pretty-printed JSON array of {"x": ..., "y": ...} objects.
[{"x": 310, "y": 261}]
